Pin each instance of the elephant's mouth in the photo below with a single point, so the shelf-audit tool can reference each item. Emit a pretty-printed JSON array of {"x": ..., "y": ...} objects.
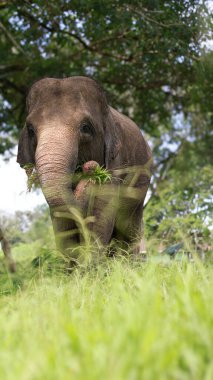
[
  {"x": 87, "y": 173},
  {"x": 77, "y": 176},
  {"x": 73, "y": 185}
]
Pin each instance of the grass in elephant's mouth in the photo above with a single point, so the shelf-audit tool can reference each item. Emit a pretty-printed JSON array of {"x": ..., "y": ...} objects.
[
  {"x": 32, "y": 180},
  {"x": 96, "y": 173}
]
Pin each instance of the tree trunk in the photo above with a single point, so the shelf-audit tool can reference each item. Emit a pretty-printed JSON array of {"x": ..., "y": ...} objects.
[{"x": 7, "y": 252}]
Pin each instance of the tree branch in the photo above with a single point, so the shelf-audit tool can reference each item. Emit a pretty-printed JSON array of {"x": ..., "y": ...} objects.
[
  {"x": 75, "y": 36},
  {"x": 22, "y": 90},
  {"x": 11, "y": 39},
  {"x": 139, "y": 13}
]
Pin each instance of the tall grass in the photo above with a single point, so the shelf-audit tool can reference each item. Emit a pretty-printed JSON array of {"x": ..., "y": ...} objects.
[{"x": 119, "y": 319}]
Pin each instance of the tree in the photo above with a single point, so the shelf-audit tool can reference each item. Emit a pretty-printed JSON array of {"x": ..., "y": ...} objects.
[
  {"x": 7, "y": 251},
  {"x": 181, "y": 204},
  {"x": 143, "y": 52}
]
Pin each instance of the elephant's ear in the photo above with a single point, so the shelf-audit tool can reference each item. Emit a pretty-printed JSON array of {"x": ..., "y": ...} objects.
[
  {"x": 26, "y": 149},
  {"x": 111, "y": 140}
]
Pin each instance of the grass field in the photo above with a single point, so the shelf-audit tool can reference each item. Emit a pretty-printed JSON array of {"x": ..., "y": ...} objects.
[{"x": 120, "y": 319}]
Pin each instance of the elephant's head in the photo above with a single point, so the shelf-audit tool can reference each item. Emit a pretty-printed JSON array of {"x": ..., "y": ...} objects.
[{"x": 68, "y": 122}]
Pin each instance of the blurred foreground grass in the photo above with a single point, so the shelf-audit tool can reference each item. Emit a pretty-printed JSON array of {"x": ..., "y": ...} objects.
[{"x": 120, "y": 319}]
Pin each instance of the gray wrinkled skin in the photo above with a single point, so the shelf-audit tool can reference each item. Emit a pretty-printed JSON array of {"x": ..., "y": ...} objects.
[{"x": 56, "y": 140}]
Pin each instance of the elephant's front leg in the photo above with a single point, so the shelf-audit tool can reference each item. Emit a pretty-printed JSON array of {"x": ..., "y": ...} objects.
[
  {"x": 99, "y": 205},
  {"x": 129, "y": 219},
  {"x": 103, "y": 205}
]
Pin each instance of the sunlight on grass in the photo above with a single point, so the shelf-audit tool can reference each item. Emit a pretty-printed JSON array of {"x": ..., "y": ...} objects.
[{"x": 120, "y": 319}]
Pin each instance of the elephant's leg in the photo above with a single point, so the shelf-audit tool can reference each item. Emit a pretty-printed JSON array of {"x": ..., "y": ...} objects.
[
  {"x": 66, "y": 229},
  {"x": 103, "y": 205},
  {"x": 128, "y": 226},
  {"x": 97, "y": 202}
]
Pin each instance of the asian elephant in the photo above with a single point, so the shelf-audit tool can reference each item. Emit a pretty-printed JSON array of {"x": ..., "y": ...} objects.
[{"x": 69, "y": 122}]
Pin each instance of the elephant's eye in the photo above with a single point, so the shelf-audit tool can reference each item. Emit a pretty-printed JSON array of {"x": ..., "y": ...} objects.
[
  {"x": 30, "y": 130},
  {"x": 87, "y": 129}
]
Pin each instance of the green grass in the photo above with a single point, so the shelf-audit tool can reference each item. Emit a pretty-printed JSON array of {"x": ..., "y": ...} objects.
[{"x": 120, "y": 319}]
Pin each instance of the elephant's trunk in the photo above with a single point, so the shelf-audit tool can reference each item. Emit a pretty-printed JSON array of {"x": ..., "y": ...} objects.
[{"x": 56, "y": 160}]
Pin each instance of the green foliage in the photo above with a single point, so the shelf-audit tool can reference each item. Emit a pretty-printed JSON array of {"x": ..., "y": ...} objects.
[
  {"x": 99, "y": 175},
  {"x": 118, "y": 320},
  {"x": 32, "y": 181},
  {"x": 146, "y": 55},
  {"x": 182, "y": 202}
]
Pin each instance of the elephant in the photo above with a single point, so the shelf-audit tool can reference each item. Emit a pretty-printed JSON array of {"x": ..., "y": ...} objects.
[{"x": 69, "y": 122}]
